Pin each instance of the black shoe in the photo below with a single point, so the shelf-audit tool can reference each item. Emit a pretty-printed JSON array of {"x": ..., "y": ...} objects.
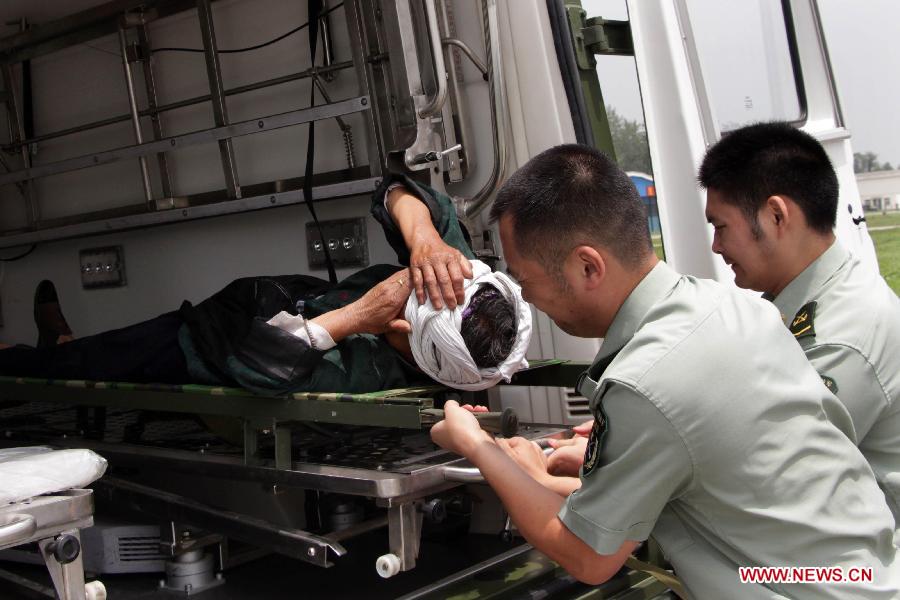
[{"x": 48, "y": 315}]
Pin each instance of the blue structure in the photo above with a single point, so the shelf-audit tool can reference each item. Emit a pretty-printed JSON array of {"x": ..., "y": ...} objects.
[{"x": 647, "y": 191}]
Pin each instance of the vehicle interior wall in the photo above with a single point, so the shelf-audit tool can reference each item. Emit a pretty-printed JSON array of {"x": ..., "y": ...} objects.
[{"x": 189, "y": 260}]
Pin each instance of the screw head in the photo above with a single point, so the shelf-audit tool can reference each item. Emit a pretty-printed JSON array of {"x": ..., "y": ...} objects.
[{"x": 311, "y": 552}]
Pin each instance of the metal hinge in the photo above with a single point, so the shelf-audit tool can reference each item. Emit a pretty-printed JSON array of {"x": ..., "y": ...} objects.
[{"x": 597, "y": 35}]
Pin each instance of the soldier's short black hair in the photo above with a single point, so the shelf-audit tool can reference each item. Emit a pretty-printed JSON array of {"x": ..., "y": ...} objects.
[
  {"x": 489, "y": 327},
  {"x": 751, "y": 164},
  {"x": 571, "y": 195}
]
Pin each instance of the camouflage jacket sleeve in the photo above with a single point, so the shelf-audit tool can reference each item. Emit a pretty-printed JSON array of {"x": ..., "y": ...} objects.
[{"x": 443, "y": 216}]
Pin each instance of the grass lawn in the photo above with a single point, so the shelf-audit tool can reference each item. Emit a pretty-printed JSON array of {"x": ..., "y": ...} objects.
[
  {"x": 876, "y": 219},
  {"x": 887, "y": 246},
  {"x": 658, "y": 246}
]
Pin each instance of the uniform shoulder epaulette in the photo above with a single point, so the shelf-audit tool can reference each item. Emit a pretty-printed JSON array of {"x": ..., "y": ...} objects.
[{"x": 802, "y": 324}]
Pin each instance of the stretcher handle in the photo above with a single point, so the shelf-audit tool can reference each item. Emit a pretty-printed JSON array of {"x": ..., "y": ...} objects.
[
  {"x": 505, "y": 423},
  {"x": 472, "y": 474},
  {"x": 16, "y": 529}
]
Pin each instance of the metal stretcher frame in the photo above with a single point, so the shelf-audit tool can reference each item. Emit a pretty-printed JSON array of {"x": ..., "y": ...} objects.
[
  {"x": 399, "y": 491},
  {"x": 403, "y": 408},
  {"x": 387, "y": 408},
  {"x": 42, "y": 520}
]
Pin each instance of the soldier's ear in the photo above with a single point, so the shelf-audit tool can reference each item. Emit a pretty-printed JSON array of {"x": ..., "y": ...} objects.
[
  {"x": 778, "y": 211},
  {"x": 588, "y": 266}
]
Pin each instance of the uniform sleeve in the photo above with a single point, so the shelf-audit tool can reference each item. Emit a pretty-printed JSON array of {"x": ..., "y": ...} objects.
[
  {"x": 643, "y": 463},
  {"x": 853, "y": 380},
  {"x": 443, "y": 217}
]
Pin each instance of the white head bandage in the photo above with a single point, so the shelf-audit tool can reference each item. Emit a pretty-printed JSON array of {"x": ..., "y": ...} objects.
[{"x": 437, "y": 344}]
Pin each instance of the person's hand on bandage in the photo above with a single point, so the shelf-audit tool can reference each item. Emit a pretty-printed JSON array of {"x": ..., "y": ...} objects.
[
  {"x": 379, "y": 311},
  {"x": 435, "y": 267},
  {"x": 440, "y": 270}
]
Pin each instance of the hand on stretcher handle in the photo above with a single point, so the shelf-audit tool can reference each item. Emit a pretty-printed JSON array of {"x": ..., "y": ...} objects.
[
  {"x": 505, "y": 423},
  {"x": 473, "y": 475}
]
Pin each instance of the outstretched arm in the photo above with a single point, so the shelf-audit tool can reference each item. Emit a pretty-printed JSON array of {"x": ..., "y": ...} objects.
[
  {"x": 531, "y": 506},
  {"x": 434, "y": 266}
]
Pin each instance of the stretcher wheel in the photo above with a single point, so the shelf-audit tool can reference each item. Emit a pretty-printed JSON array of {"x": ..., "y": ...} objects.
[
  {"x": 387, "y": 565},
  {"x": 95, "y": 590}
]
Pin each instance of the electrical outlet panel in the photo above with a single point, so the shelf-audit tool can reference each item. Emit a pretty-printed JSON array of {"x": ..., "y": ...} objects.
[
  {"x": 102, "y": 267},
  {"x": 347, "y": 243}
]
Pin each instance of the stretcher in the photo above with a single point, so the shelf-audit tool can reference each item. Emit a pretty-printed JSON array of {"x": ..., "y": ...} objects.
[{"x": 371, "y": 447}]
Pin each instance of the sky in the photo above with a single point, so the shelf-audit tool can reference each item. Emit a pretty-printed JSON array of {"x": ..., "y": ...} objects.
[{"x": 862, "y": 38}]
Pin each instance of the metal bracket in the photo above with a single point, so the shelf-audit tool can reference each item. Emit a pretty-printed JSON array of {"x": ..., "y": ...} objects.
[
  {"x": 282, "y": 433},
  {"x": 404, "y": 533},
  {"x": 68, "y": 578},
  {"x": 602, "y": 36},
  {"x": 175, "y": 540},
  {"x": 597, "y": 36}
]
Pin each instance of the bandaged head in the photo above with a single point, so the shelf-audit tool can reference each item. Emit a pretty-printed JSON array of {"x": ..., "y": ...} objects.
[{"x": 437, "y": 340}]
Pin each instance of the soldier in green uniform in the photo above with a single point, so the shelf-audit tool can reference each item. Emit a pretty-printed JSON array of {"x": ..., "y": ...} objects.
[
  {"x": 772, "y": 197},
  {"x": 711, "y": 430}
]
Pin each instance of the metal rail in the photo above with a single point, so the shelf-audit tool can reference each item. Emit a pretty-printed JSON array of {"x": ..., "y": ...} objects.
[
  {"x": 135, "y": 118},
  {"x": 296, "y": 117},
  {"x": 472, "y": 207},
  {"x": 220, "y": 111},
  {"x": 181, "y": 212},
  {"x": 162, "y": 108},
  {"x": 434, "y": 105},
  {"x": 385, "y": 412},
  {"x": 479, "y": 64},
  {"x": 296, "y": 543}
]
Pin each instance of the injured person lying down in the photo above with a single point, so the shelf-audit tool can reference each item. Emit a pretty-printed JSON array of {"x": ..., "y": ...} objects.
[{"x": 383, "y": 327}]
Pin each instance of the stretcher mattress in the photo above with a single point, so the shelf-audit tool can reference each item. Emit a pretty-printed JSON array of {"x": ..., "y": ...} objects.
[{"x": 34, "y": 471}]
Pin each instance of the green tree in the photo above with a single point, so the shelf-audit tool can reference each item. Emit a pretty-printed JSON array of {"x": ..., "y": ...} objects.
[
  {"x": 630, "y": 141},
  {"x": 866, "y": 162}
]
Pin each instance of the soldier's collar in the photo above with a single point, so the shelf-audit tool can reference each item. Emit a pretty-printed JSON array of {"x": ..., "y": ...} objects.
[
  {"x": 653, "y": 287},
  {"x": 805, "y": 286}
]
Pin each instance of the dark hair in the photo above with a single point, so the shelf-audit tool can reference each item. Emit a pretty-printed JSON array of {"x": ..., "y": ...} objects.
[
  {"x": 489, "y": 327},
  {"x": 571, "y": 195},
  {"x": 750, "y": 164}
]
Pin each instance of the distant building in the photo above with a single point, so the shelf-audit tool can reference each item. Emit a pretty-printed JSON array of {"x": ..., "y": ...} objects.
[
  {"x": 879, "y": 190},
  {"x": 647, "y": 191}
]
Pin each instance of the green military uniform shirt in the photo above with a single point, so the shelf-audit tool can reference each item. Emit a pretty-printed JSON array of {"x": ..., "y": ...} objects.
[
  {"x": 713, "y": 433},
  {"x": 847, "y": 321}
]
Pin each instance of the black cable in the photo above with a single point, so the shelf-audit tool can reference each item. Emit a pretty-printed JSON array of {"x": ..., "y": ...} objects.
[
  {"x": 20, "y": 256},
  {"x": 249, "y": 48},
  {"x": 315, "y": 10}
]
